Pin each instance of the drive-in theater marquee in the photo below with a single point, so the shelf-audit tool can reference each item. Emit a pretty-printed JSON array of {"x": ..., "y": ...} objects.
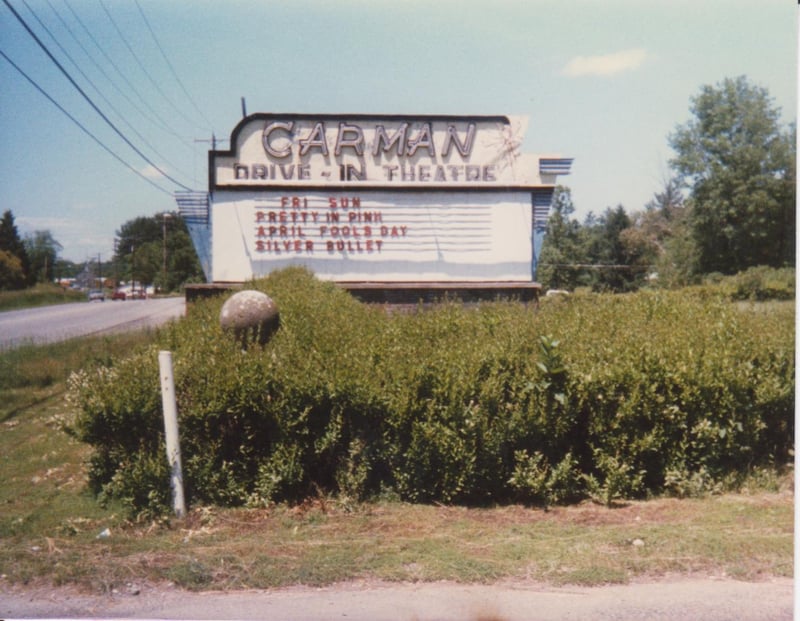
[{"x": 359, "y": 198}]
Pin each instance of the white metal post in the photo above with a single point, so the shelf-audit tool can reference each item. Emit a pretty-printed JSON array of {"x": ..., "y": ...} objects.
[{"x": 171, "y": 431}]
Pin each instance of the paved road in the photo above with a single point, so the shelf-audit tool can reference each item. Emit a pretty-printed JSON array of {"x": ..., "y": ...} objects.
[
  {"x": 682, "y": 599},
  {"x": 49, "y": 324}
]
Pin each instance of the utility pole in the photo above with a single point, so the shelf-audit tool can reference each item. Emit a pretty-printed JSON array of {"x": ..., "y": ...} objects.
[
  {"x": 213, "y": 141},
  {"x": 133, "y": 279}
]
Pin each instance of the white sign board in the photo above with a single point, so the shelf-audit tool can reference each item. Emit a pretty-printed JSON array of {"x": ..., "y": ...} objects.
[{"x": 369, "y": 236}]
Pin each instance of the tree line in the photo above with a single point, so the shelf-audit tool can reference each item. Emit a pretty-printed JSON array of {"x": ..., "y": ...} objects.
[
  {"x": 24, "y": 262},
  {"x": 156, "y": 250},
  {"x": 153, "y": 250},
  {"x": 728, "y": 204}
]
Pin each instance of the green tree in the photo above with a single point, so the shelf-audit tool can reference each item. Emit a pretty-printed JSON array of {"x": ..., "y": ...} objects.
[
  {"x": 183, "y": 264},
  {"x": 560, "y": 259},
  {"x": 738, "y": 163},
  {"x": 15, "y": 273},
  {"x": 616, "y": 265},
  {"x": 157, "y": 250},
  {"x": 595, "y": 253},
  {"x": 68, "y": 269},
  {"x": 12, "y": 275},
  {"x": 42, "y": 249},
  {"x": 659, "y": 240}
]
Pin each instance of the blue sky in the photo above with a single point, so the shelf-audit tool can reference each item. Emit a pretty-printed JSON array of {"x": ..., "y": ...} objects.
[{"x": 602, "y": 81}]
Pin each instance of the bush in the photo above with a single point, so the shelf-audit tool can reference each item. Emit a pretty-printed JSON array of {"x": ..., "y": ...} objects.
[
  {"x": 757, "y": 284},
  {"x": 608, "y": 396}
]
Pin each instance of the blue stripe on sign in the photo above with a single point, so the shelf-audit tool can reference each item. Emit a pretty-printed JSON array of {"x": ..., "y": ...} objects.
[
  {"x": 555, "y": 166},
  {"x": 542, "y": 198}
]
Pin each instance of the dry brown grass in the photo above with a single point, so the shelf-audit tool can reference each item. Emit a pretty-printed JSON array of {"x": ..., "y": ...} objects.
[{"x": 747, "y": 537}]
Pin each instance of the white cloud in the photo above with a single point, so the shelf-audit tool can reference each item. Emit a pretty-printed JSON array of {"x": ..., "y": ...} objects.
[
  {"x": 29, "y": 224},
  {"x": 151, "y": 172},
  {"x": 606, "y": 64},
  {"x": 79, "y": 238}
]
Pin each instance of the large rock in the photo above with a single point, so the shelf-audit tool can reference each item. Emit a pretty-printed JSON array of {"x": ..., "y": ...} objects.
[{"x": 252, "y": 316}]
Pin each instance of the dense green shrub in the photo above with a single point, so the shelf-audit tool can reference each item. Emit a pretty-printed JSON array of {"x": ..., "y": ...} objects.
[
  {"x": 608, "y": 396},
  {"x": 757, "y": 284}
]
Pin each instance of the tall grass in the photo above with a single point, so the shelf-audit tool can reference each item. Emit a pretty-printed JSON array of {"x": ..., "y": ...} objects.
[
  {"x": 43, "y": 294},
  {"x": 33, "y": 373}
]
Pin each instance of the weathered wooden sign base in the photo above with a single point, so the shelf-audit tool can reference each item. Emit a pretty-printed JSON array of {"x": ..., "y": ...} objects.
[
  {"x": 202, "y": 291},
  {"x": 397, "y": 293},
  {"x": 429, "y": 292}
]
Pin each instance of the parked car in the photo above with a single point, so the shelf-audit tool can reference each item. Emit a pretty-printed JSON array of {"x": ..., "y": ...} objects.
[
  {"x": 130, "y": 291},
  {"x": 96, "y": 294}
]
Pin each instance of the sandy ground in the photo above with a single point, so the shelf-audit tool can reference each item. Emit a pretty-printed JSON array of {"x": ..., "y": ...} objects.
[{"x": 678, "y": 599}]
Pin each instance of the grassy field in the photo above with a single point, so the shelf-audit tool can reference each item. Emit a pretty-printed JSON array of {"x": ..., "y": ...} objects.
[
  {"x": 40, "y": 295},
  {"x": 52, "y": 530}
]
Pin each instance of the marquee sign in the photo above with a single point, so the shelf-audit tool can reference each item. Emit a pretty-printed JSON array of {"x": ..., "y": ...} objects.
[
  {"x": 388, "y": 152},
  {"x": 375, "y": 199},
  {"x": 376, "y": 236}
]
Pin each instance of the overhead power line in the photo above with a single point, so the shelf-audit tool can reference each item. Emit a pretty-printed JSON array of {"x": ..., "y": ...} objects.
[
  {"x": 141, "y": 64},
  {"x": 95, "y": 87},
  {"x": 169, "y": 64},
  {"x": 81, "y": 126},
  {"x": 157, "y": 120},
  {"x": 89, "y": 100}
]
